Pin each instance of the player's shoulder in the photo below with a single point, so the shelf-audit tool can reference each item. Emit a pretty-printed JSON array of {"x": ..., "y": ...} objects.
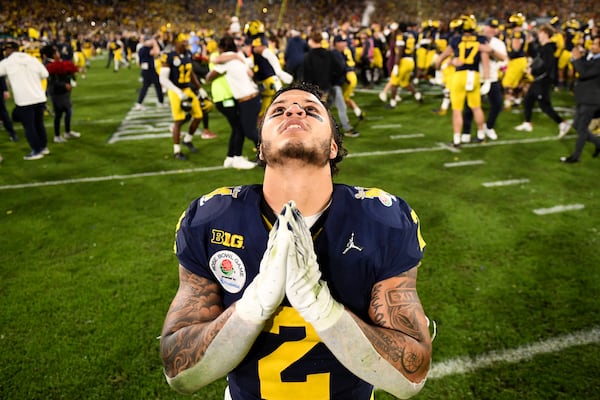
[
  {"x": 226, "y": 199},
  {"x": 375, "y": 204}
]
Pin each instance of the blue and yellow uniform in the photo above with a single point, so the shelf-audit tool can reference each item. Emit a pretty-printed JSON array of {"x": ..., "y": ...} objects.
[
  {"x": 406, "y": 42},
  {"x": 516, "y": 68},
  {"x": 222, "y": 237},
  {"x": 180, "y": 73},
  {"x": 465, "y": 82}
]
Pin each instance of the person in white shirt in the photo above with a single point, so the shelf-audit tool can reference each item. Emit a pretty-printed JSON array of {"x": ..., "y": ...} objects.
[
  {"x": 25, "y": 74},
  {"x": 233, "y": 66}
]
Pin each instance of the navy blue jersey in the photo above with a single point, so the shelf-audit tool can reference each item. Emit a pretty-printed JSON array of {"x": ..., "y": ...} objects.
[
  {"x": 365, "y": 236},
  {"x": 466, "y": 48},
  {"x": 180, "y": 68}
]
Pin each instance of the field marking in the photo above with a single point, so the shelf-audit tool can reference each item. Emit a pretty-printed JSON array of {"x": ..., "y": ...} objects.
[
  {"x": 437, "y": 147},
  {"x": 463, "y": 163},
  {"x": 505, "y": 183},
  {"x": 110, "y": 178},
  {"x": 558, "y": 209},
  {"x": 408, "y": 136},
  {"x": 386, "y": 126},
  {"x": 463, "y": 365}
]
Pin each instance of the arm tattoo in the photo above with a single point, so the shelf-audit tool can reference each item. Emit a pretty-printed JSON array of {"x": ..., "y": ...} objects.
[
  {"x": 195, "y": 317},
  {"x": 395, "y": 306}
]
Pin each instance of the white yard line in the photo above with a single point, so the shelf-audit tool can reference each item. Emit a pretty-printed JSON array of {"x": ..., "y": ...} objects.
[
  {"x": 505, "y": 183},
  {"x": 463, "y": 163},
  {"x": 558, "y": 209},
  {"x": 463, "y": 365},
  {"x": 408, "y": 136}
]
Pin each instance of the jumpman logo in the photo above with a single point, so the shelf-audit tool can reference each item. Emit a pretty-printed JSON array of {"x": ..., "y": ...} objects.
[{"x": 351, "y": 245}]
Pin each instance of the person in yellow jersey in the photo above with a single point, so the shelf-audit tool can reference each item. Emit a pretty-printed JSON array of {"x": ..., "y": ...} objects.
[
  {"x": 516, "y": 69},
  {"x": 404, "y": 65}
]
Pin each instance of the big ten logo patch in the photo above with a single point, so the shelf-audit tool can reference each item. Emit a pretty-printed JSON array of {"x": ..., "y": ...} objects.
[{"x": 227, "y": 239}]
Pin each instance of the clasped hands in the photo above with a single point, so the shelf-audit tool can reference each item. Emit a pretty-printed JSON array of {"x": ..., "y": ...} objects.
[{"x": 289, "y": 268}]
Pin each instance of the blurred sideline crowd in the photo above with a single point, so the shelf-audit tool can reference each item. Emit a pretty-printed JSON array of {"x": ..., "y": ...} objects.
[{"x": 401, "y": 46}]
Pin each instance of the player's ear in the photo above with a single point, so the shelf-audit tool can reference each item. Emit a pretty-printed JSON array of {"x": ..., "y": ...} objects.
[
  {"x": 333, "y": 152},
  {"x": 260, "y": 153}
]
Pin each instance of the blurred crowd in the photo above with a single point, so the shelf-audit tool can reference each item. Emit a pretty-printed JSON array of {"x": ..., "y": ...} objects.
[{"x": 81, "y": 30}]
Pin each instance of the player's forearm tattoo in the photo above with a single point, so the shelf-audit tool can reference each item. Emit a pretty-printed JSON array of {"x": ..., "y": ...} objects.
[
  {"x": 187, "y": 332},
  {"x": 398, "y": 308}
]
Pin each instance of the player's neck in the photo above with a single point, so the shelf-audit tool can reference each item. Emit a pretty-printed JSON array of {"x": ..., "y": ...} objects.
[{"x": 310, "y": 189}]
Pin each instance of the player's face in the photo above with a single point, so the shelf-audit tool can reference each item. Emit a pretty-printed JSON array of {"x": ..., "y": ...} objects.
[{"x": 297, "y": 127}]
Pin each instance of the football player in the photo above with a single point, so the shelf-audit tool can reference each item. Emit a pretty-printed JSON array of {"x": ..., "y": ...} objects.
[
  {"x": 516, "y": 69},
  {"x": 467, "y": 52},
  {"x": 177, "y": 75},
  {"x": 268, "y": 73},
  {"x": 316, "y": 302},
  {"x": 404, "y": 65}
]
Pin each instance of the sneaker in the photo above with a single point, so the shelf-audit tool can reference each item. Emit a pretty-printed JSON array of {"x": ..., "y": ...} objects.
[
  {"x": 465, "y": 138},
  {"x": 33, "y": 156},
  {"x": 491, "y": 133},
  {"x": 564, "y": 127},
  {"x": 240, "y": 162},
  {"x": 419, "y": 97},
  {"x": 59, "y": 139},
  {"x": 191, "y": 146},
  {"x": 228, "y": 163},
  {"x": 569, "y": 160},
  {"x": 161, "y": 105},
  {"x": 45, "y": 151},
  {"x": 393, "y": 103},
  {"x": 440, "y": 111},
  {"x": 208, "y": 135},
  {"x": 383, "y": 96},
  {"x": 351, "y": 133},
  {"x": 179, "y": 156},
  {"x": 525, "y": 127},
  {"x": 72, "y": 135},
  {"x": 139, "y": 107}
]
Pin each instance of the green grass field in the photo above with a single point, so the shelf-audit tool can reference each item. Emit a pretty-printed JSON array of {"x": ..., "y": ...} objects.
[{"x": 87, "y": 270}]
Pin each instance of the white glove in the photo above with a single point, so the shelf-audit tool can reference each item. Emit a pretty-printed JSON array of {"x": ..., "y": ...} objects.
[
  {"x": 485, "y": 87},
  {"x": 308, "y": 294},
  {"x": 265, "y": 293},
  {"x": 202, "y": 94}
]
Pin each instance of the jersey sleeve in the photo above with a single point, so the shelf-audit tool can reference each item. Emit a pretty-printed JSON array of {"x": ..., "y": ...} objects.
[{"x": 192, "y": 235}]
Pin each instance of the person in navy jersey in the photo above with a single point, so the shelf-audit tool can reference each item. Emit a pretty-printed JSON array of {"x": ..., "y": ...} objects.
[
  {"x": 147, "y": 54},
  {"x": 298, "y": 287}
]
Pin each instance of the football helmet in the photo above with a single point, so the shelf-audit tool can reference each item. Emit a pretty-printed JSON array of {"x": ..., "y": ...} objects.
[
  {"x": 573, "y": 24},
  {"x": 517, "y": 19},
  {"x": 186, "y": 104},
  {"x": 456, "y": 24},
  {"x": 254, "y": 28},
  {"x": 469, "y": 22}
]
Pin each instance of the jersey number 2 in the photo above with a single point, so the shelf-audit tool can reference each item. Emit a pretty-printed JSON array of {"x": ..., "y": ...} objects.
[{"x": 271, "y": 366}]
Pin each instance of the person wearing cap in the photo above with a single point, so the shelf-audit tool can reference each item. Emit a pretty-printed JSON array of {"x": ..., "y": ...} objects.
[
  {"x": 25, "y": 74},
  {"x": 341, "y": 44},
  {"x": 498, "y": 55}
]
